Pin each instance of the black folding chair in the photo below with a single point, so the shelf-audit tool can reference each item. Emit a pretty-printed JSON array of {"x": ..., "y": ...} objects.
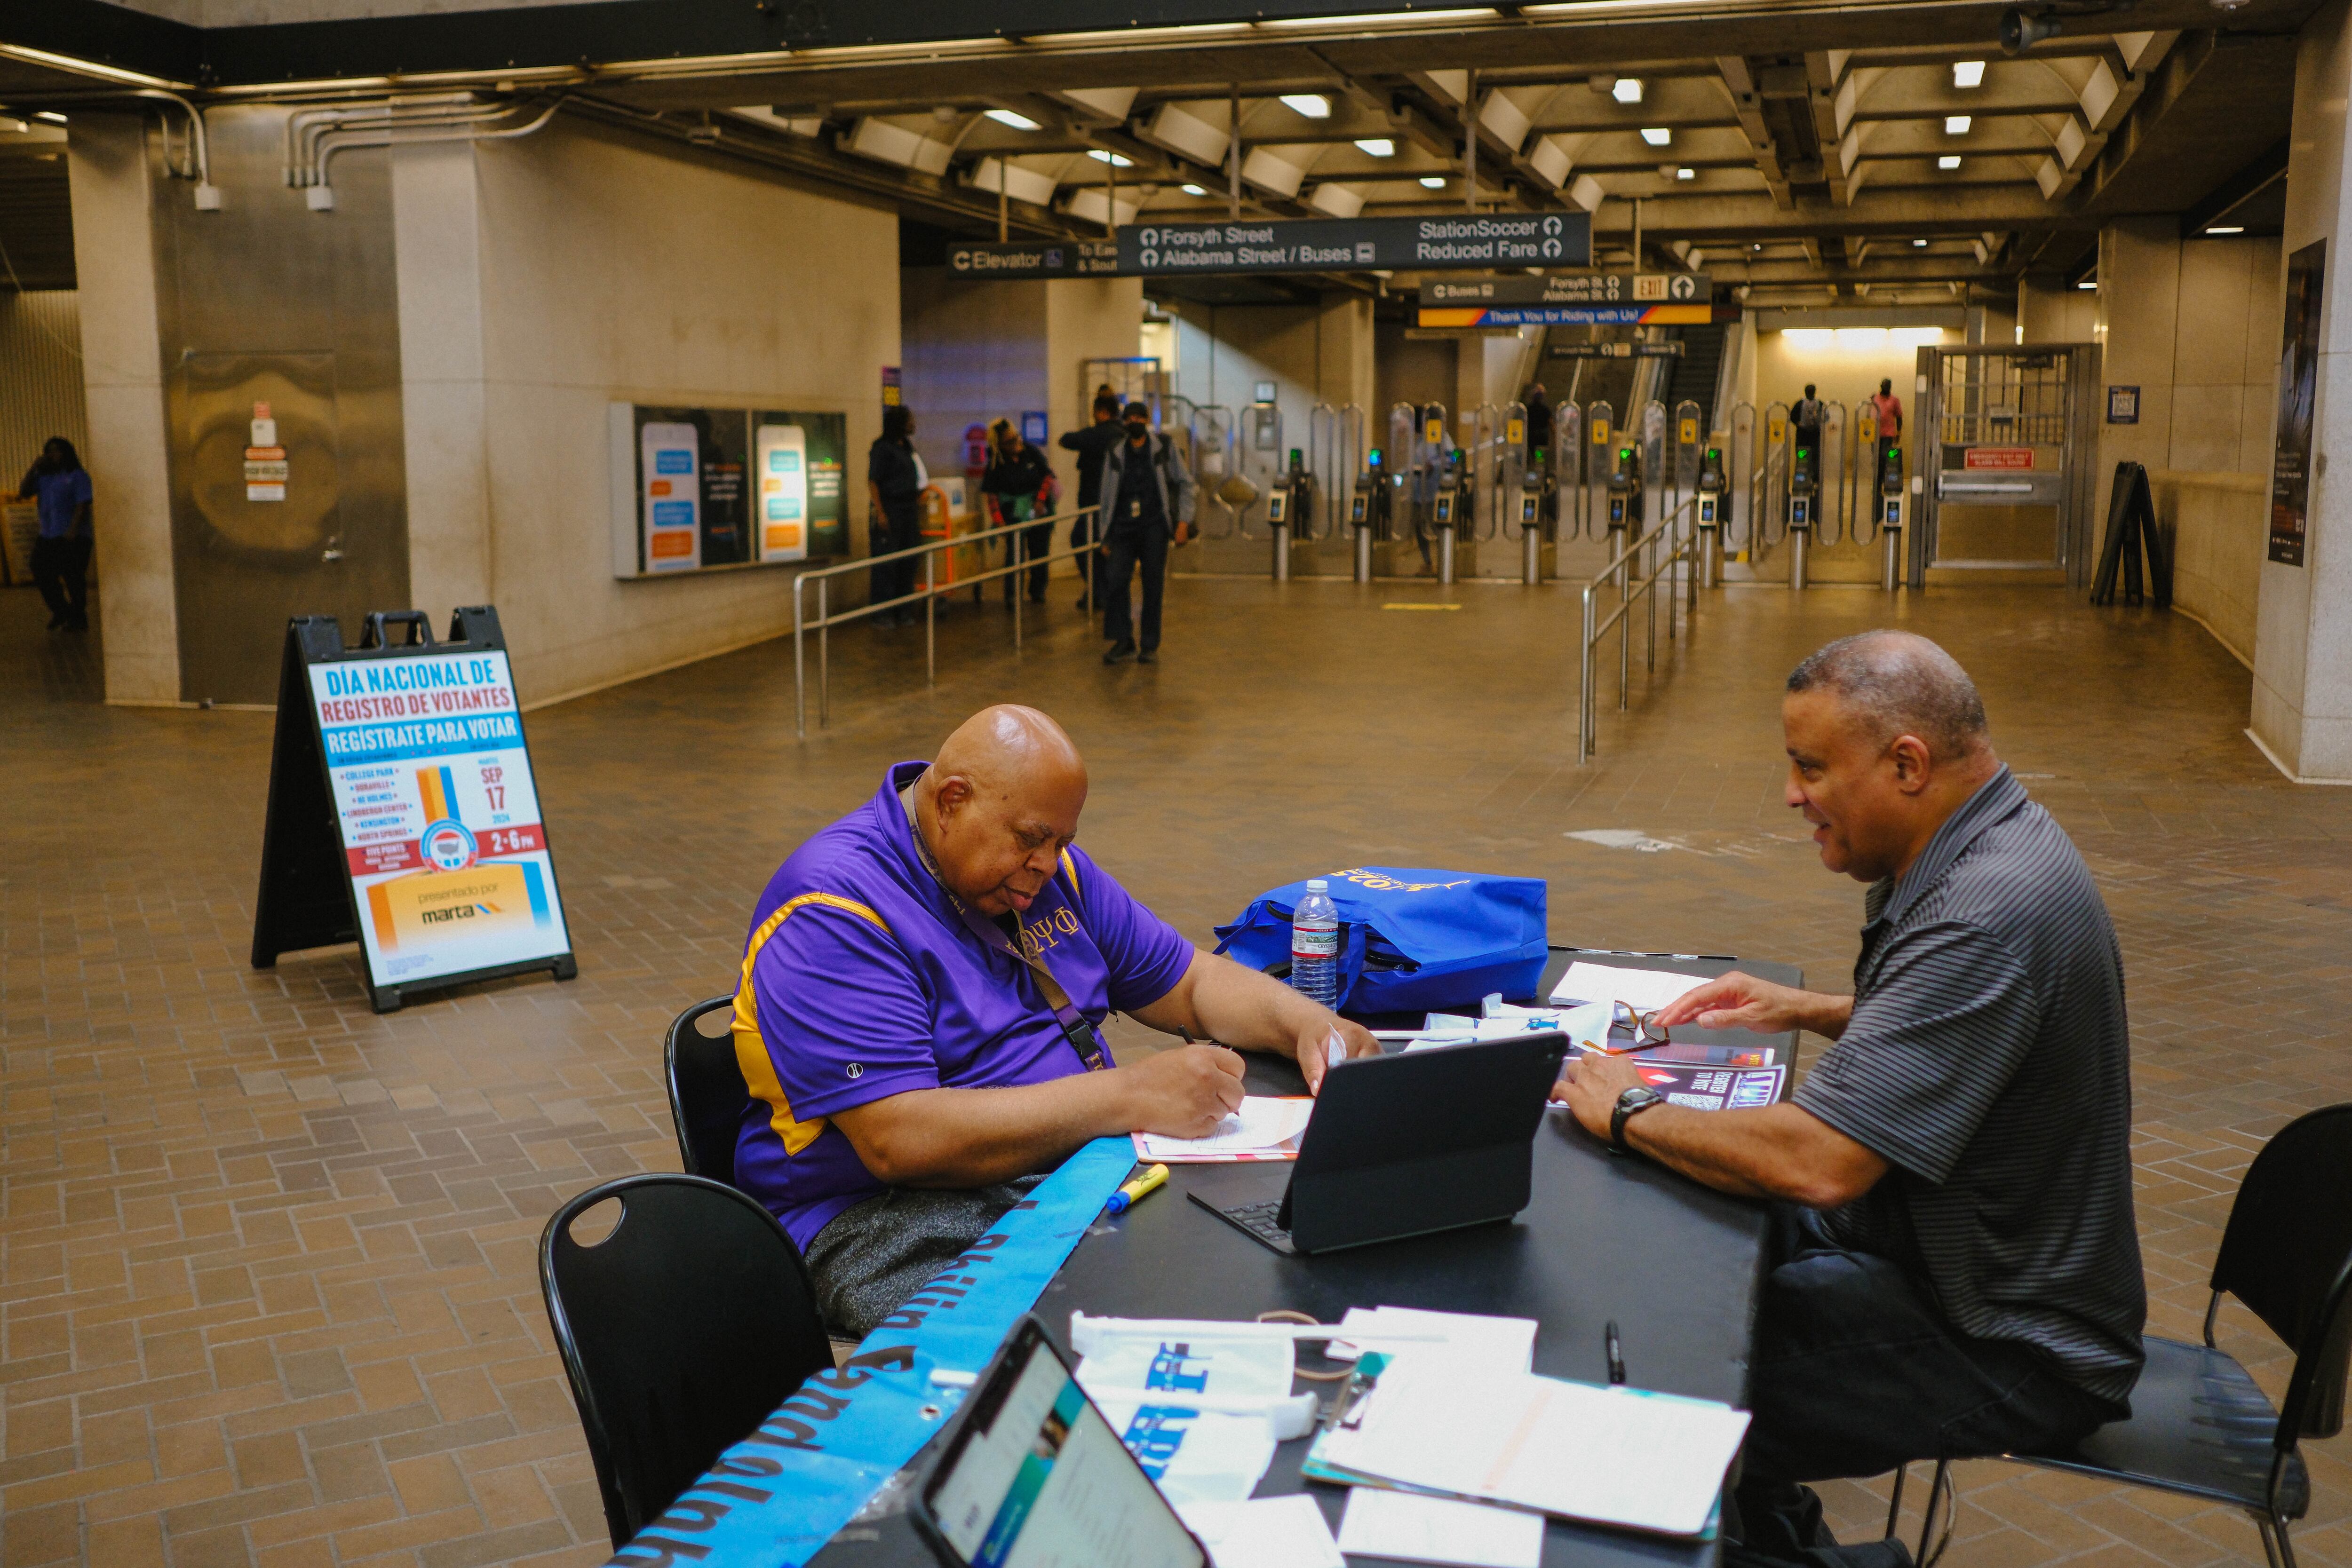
[
  {"x": 2199, "y": 1425},
  {"x": 706, "y": 1092},
  {"x": 680, "y": 1332}
]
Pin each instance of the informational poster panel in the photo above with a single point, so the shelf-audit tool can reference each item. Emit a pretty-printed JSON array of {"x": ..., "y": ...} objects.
[
  {"x": 2298, "y": 400},
  {"x": 780, "y": 458},
  {"x": 402, "y": 781},
  {"x": 699, "y": 489}
]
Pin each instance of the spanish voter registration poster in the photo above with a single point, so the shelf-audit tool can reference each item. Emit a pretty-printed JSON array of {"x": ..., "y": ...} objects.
[{"x": 441, "y": 828}]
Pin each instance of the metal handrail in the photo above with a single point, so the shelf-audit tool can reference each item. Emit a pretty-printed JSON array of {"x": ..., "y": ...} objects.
[
  {"x": 1587, "y": 724},
  {"x": 929, "y": 594}
]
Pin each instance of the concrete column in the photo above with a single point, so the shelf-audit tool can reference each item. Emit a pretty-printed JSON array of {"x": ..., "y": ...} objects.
[
  {"x": 122, "y": 379},
  {"x": 1086, "y": 319},
  {"x": 2049, "y": 310},
  {"x": 1343, "y": 369},
  {"x": 2303, "y": 640},
  {"x": 437, "y": 256}
]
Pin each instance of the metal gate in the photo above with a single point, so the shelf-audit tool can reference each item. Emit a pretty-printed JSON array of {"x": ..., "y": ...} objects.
[{"x": 2004, "y": 442}]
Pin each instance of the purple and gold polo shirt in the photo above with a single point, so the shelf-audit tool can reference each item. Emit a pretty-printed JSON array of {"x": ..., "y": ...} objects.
[{"x": 861, "y": 981}]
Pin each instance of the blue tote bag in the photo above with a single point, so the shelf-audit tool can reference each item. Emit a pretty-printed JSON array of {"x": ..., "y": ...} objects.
[{"x": 1411, "y": 940}]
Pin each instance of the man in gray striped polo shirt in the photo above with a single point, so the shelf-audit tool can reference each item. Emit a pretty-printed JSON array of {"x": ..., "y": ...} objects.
[{"x": 1957, "y": 1270}]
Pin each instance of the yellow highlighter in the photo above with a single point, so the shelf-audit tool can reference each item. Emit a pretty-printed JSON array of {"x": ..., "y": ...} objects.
[{"x": 1127, "y": 1196}]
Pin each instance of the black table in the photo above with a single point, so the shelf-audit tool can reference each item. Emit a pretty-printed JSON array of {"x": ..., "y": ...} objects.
[{"x": 1676, "y": 1265}]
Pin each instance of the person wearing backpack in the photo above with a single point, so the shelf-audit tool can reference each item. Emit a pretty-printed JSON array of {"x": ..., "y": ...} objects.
[{"x": 1147, "y": 493}]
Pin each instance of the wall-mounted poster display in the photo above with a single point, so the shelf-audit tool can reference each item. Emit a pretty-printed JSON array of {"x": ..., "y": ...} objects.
[
  {"x": 2298, "y": 399},
  {"x": 702, "y": 489}
]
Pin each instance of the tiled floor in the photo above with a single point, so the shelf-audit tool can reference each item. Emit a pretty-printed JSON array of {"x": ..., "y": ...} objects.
[{"x": 266, "y": 1274}]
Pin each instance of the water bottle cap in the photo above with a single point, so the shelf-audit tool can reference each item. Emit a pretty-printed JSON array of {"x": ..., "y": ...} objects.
[{"x": 1318, "y": 884}]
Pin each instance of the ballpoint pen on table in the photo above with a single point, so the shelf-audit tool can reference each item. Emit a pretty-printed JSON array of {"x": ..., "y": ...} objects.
[{"x": 1616, "y": 1356}]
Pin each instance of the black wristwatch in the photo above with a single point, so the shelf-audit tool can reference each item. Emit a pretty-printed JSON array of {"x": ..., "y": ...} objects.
[{"x": 1629, "y": 1104}]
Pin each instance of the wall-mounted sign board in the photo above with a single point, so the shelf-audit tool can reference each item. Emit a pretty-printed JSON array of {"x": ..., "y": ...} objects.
[
  {"x": 1479, "y": 240},
  {"x": 403, "y": 812},
  {"x": 699, "y": 489}
]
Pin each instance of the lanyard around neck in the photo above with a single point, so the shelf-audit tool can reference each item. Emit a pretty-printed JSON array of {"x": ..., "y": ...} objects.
[{"x": 1075, "y": 1025}]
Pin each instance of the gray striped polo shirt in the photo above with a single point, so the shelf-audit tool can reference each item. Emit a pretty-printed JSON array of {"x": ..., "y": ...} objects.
[{"x": 1988, "y": 1063}]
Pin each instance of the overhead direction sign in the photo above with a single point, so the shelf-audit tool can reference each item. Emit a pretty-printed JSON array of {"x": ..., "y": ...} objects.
[
  {"x": 1592, "y": 299},
  {"x": 1041, "y": 258},
  {"x": 1359, "y": 245}
]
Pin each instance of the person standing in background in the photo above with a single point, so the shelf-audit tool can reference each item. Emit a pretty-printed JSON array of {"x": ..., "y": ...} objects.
[
  {"x": 1147, "y": 493},
  {"x": 1888, "y": 409},
  {"x": 1807, "y": 417},
  {"x": 894, "y": 488},
  {"x": 1537, "y": 404},
  {"x": 1017, "y": 473},
  {"x": 60, "y": 485},
  {"x": 1092, "y": 444}
]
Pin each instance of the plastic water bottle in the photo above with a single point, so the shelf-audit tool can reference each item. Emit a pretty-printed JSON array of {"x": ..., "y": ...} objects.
[{"x": 1315, "y": 945}]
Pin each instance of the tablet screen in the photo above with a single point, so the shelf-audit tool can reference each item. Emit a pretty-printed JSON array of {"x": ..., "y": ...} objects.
[{"x": 1046, "y": 1483}]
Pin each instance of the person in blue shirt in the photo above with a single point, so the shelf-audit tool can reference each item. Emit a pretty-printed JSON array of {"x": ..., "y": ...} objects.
[{"x": 59, "y": 485}]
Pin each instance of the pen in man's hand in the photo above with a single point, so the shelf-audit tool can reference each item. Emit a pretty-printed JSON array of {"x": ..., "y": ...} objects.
[{"x": 1616, "y": 1356}]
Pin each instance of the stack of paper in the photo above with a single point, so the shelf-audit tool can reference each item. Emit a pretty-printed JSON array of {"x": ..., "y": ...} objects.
[
  {"x": 1609, "y": 1455},
  {"x": 1266, "y": 1532},
  {"x": 1199, "y": 1408},
  {"x": 1471, "y": 1343},
  {"x": 1264, "y": 1128},
  {"x": 1500, "y": 1020},
  {"x": 1644, "y": 989}
]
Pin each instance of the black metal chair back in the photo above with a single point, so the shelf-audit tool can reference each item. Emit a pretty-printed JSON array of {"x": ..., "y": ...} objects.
[
  {"x": 707, "y": 1095},
  {"x": 2287, "y": 1255},
  {"x": 680, "y": 1332}
]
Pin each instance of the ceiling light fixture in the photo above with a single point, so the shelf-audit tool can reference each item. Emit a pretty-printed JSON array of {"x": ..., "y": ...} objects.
[
  {"x": 1949, "y": 161},
  {"x": 1377, "y": 146},
  {"x": 1657, "y": 135},
  {"x": 1685, "y": 173},
  {"x": 1008, "y": 117},
  {"x": 1918, "y": 245},
  {"x": 1967, "y": 73},
  {"x": 1193, "y": 190},
  {"x": 1957, "y": 124},
  {"x": 1432, "y": 182},
  {"x": 51, "y": 115},
  {"x": 1313, "y": 105},
  {"x": 2088, "y": 282},
  {"x": 1113, "y": 159},
  {"x": 1626, "y": 89},
  {"x": 2227, "y": 229}
]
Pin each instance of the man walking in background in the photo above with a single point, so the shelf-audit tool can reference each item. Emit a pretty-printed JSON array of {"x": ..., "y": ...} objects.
[
  {"x": 1147, "y": 498},
  {"x": 60, "y": 485}
]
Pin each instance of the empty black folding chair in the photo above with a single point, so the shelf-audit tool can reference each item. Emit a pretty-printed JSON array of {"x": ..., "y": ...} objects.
[
  {"x": 2199, "y": 1425},
  {"x": 680, "y": 1332},
  {"x": 706, "y": 1092}
]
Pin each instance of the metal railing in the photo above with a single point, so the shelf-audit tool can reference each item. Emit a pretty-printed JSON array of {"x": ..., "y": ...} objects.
[
  {"x": 1680, "y": 542},
  {"x": 928, "y": 594}
]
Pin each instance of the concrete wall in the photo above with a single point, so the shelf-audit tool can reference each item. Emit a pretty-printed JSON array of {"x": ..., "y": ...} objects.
[
  {"x": 1411, "y": 370},
  {"x": 2048, "y": 311},
  {"x": 606, "y": 270},
  {"x": 1847, "y": 365},
  {"x": 2216, "y": 523},
  {"x": 970, "y": 352},
  {"x": 1313, "y": 353},
  {"x": 2302, "y": 643},
  {"x": 122, "y": 376},
  {"x": 2193, "y": 324}
]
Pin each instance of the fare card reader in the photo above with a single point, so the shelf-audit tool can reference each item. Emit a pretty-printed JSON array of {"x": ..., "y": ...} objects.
[
  {"x": 1534, "y": 485},
  {"x": 1802, "y": 502},
  {"x": 1625, "y": 492},
  {"x": 1890, "y": 513},
  {"x": 1289, "y": 505},
  {"x": 1710, "y": 516},
  {"x": 1368, "y": 510},
  {"x": 1446, "y": 512}
]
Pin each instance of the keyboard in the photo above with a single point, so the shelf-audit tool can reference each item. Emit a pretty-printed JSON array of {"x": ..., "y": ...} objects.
[{"x": 1255, "y": 1220}]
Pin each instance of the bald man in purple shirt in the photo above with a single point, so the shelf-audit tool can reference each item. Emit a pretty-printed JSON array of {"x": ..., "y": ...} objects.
[{"x": 919, "y": 1017}]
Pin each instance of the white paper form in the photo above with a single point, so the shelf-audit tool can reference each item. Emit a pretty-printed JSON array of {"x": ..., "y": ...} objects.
[
  {"x": 1612, "y": 1455},
  {"x": 1475, "y": 1343},
  {"x": 1179, "y": 1403},
  {"x": 1418, "y": 1528},
  {"x": 1264, "y": 1128},
  {"x": 1644, "y": 989},
  {"x": 1265, "y": 1532}
]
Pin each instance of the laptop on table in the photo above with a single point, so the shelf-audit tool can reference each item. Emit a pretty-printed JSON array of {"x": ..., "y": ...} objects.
[{"x": 1405, "y": 1145}]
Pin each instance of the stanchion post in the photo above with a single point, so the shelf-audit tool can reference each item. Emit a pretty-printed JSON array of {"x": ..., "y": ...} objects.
[
  {"x": 800, "y": 669},
  {"x": 823, "y": 654},
  {"x": 930, "y": 617}
]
